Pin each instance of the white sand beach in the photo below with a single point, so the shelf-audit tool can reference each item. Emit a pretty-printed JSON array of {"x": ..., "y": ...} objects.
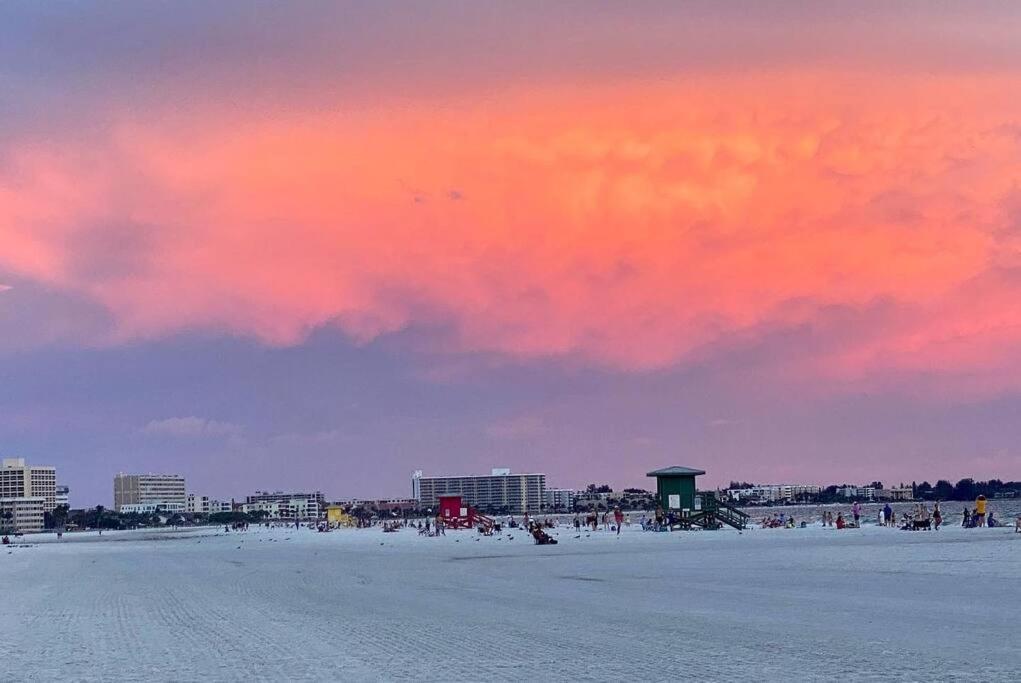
[{"x": 281, "y": 604}]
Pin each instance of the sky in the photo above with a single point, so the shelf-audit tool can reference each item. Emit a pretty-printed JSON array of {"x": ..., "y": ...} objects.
[{"x": 319, "y": 245}]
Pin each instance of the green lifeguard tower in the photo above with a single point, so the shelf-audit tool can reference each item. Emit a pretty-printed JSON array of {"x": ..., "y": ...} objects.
[{"x": 677, "y": 496}]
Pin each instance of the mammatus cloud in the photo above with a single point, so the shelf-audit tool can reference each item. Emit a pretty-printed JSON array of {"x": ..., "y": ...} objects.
[
  {"x": 632, "y": 227},
  {"x": 192, "y": 427}
]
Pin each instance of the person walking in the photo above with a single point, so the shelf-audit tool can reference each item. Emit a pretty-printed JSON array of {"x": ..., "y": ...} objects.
[{"x": 618, "y": 517}]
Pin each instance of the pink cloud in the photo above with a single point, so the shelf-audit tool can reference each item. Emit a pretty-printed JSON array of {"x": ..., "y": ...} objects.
[{"x": 633, "y": 227}]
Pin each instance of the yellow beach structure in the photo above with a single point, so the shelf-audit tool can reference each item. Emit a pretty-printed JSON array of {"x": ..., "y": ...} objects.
[{"x": 335, "y": 516}]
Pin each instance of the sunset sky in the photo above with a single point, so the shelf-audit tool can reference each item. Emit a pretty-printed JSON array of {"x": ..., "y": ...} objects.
[{"x": 321, "y": 245}]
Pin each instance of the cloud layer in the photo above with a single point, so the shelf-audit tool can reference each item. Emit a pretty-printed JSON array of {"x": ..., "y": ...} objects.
[{"x": 621, "y": 221}]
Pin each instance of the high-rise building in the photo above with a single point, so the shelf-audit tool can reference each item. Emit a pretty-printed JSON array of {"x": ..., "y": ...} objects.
[
  {"x": 63, "y": 496},
  {"x": 501, "y": 490},
  {"x": 133, "y": 489},
  {"x": 18, "y": 480}
]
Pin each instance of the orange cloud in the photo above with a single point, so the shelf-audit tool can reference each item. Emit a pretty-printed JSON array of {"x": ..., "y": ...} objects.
[{"x": 628, "y": 225}]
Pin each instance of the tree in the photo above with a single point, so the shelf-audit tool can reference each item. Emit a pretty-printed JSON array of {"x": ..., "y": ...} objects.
[
  {"x": 964, "y": 489},
  {"x": 923, "y": 490},
  {"x": 944, "y": 490},
  {"x": 57, "y": 519}
]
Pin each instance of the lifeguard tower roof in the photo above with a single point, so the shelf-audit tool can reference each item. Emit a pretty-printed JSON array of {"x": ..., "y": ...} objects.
[{"x": 675, "y": 471}]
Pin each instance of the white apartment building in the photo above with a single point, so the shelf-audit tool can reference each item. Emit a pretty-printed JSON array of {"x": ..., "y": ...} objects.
[
  {"x": 22, "y": 515},
  {"x": 196, "y": 504},
  {"x": 282, "y": 505},
  {"x": 18, "y": 480},
  {"x": 134, "y": 489},
  {"x": 560, "y": 499},
  {"x": 151, "y": 508},
  {"x": 859, "y": 492},
  {"x": 774, "y": 493},
  {"x": 500, "y": 490}
]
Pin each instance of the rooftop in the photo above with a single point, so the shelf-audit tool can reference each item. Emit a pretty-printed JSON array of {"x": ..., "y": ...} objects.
[{"x": 675, "y": 471}]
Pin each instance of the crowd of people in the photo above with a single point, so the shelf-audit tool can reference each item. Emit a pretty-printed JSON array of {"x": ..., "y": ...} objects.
[
  {"x": 920, "y": 517},
  {"x": 592, "y": 521}
]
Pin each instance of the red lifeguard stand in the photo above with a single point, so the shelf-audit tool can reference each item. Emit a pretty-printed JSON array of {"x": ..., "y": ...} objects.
[{"x": 456, "y": 514}]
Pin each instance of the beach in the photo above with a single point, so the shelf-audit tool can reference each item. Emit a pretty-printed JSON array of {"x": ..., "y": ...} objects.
[{"x": 860, "y": 604}]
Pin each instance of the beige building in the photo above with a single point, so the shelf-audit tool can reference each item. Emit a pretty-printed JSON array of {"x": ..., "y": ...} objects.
[
  {"x": 22, "y": 515},
  {"x": 18, "y": 480},
  {"x": 135, "y": 489}
]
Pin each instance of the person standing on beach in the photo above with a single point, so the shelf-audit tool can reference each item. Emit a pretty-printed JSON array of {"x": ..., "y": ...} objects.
[
  {"x": 618, "y": 517},
  {"x": 980, "y": 510},
  {"x": 856, "y": 512},
  {"x": 887, "y": 515},
  {"x": 937, "y": 516}
]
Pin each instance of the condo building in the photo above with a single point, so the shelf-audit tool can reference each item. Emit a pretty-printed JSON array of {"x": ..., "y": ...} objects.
[
  {"x": 497, "y": 492},
  {"x": 19, "y": 480},
  {"x": 135, "y": 489},
  {"x": 23, "y": 515},
  {"x": 283, "y": 505}
]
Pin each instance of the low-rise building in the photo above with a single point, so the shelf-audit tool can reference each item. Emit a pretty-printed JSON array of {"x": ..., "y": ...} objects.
[
  {"x": 383, "y": 505},
  {"x": 204, "y": 505},
  {"x": 858, "y": 492},
  {"x": 774, "y": 493},
  {"x": 22, "y": 515},
  {"x": 152, "y": 508},
  {"x": 282, "y": 505},
  {"x": 898, "y": 493},
  {"x": 560, "y": 500}
]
